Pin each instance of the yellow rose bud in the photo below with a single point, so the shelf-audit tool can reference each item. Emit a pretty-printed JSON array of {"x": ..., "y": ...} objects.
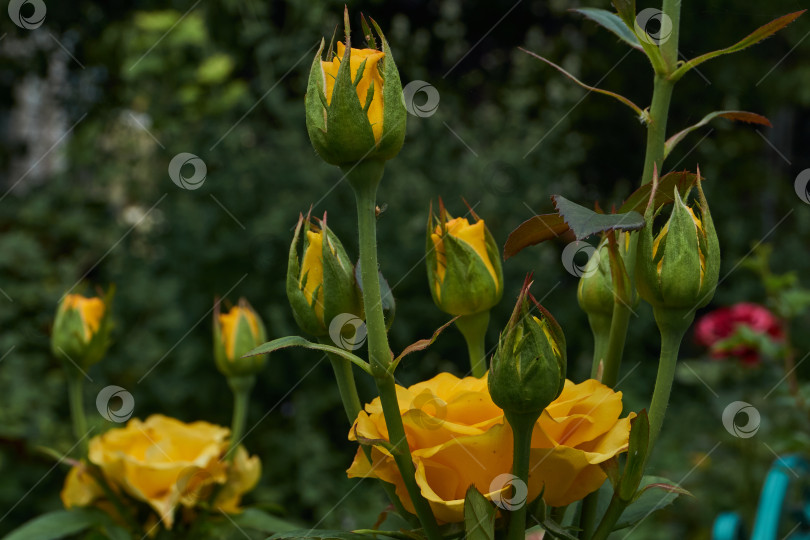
[
  {"x": 677, "y": 269},
  {"x": 458, "y": 437},
  {"x": 321, "y": 283},
  {"x": 464, "y": 267},
  {"x": 167, "y": 463},
  {"x": 235, "y": 333},
  {"x": 370, "y": 79},
  {"x": 529, "y": 366},
  {"x": 354, "y": 106},
  {"x": 81, "y": 328}
]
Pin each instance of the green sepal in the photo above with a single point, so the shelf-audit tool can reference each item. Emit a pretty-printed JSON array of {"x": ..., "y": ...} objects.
[
  {"x": 711, "y": 274},
  {"x": 680, "y": 272},
  {"x": 303, "y": 313},
  {"x": 394, "y": 112},
  {"x": 348, "y": 131},
  {"x": 479, "y": 516},
  {"x": 468, "y": 287},
  {"x": 340, "y": 290},
  {"x": 315, "y": 105}
]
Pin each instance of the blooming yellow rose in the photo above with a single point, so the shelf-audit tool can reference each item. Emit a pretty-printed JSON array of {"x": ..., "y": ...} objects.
[
  {"x": 164, "y": 463},
  {"x": 458, "y": 437}
]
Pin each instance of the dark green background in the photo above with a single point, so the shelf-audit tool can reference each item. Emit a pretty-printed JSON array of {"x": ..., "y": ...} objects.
[{"x": 239, "y": 68}]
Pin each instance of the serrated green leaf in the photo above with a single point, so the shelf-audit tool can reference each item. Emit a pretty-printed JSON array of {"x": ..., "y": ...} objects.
[
  {"x": 612, "y": 22},
  {"x": 534, "y": 231},
  {"x": 60, "y": 524},
  {"x": 479, "y": 516},
  {"x": 298, "y": 341},
  {"x": 626, "y": 10},
  {"x": 649, "y": 501},
  {"x": 258, "y": 520},
  {"x": 585, "y": 222},
  {"x": 754, "y": 37},
  {"x": 737, "y": 116},
  {"x": 555, "y": 530}
]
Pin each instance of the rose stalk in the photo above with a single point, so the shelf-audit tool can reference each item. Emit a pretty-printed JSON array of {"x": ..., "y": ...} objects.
[
  {"x": 321, "y": 286},
  {"x": 465, "y": 276},
  {"x": 356, "y": 120},
  {"x": 80, "y": 337},
  {"x": 235, "y": 333},
  {"x": 527, "y": 374},
  {"x": 676, "y": 273}
]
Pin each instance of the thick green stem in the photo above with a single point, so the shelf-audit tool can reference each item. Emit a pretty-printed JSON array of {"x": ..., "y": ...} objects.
[
  {"x": 653, "y": 160},
  {"x": 600, "y": 328},
  {"x": 75, "y": 396},
  {"x": 364, "y": 178},
  {"x": 615, "y": 346},
  {"x": 587, "y": 519},
  {"x": 612, "y": 515},
  {"x": 669, "y": 47},
  {"x": 474, "y": 330},
  {"x": 346, "y": 386},
  {"x": 241, "y": 387},
  {"x": 671, "y": 336},
  {"x": 522, "y": 427},
  {"x": 657, "y": 129}
]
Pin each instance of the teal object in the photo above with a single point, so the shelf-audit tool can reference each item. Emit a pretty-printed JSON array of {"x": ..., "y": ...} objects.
[{"x": 774, "y": 509}]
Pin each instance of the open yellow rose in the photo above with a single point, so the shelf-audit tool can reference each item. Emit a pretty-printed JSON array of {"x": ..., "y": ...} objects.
[
  {"x": 458, "y": 437},
  {"x": 165, "y": 463}
]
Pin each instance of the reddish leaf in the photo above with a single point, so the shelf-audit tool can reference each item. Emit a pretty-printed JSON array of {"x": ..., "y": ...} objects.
[
  {"x": 638, "y": 200},
  {"x": 422, "y": 343},
  {"x": 533, "y": 231},
  {"x": 738, "y": 116}
]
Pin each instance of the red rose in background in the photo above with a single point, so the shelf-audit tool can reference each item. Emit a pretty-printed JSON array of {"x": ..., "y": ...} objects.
[{"x": 714, "y": 330}]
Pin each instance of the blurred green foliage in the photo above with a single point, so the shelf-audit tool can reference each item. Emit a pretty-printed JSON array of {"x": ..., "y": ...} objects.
[{"x": 225, "y": 80}]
